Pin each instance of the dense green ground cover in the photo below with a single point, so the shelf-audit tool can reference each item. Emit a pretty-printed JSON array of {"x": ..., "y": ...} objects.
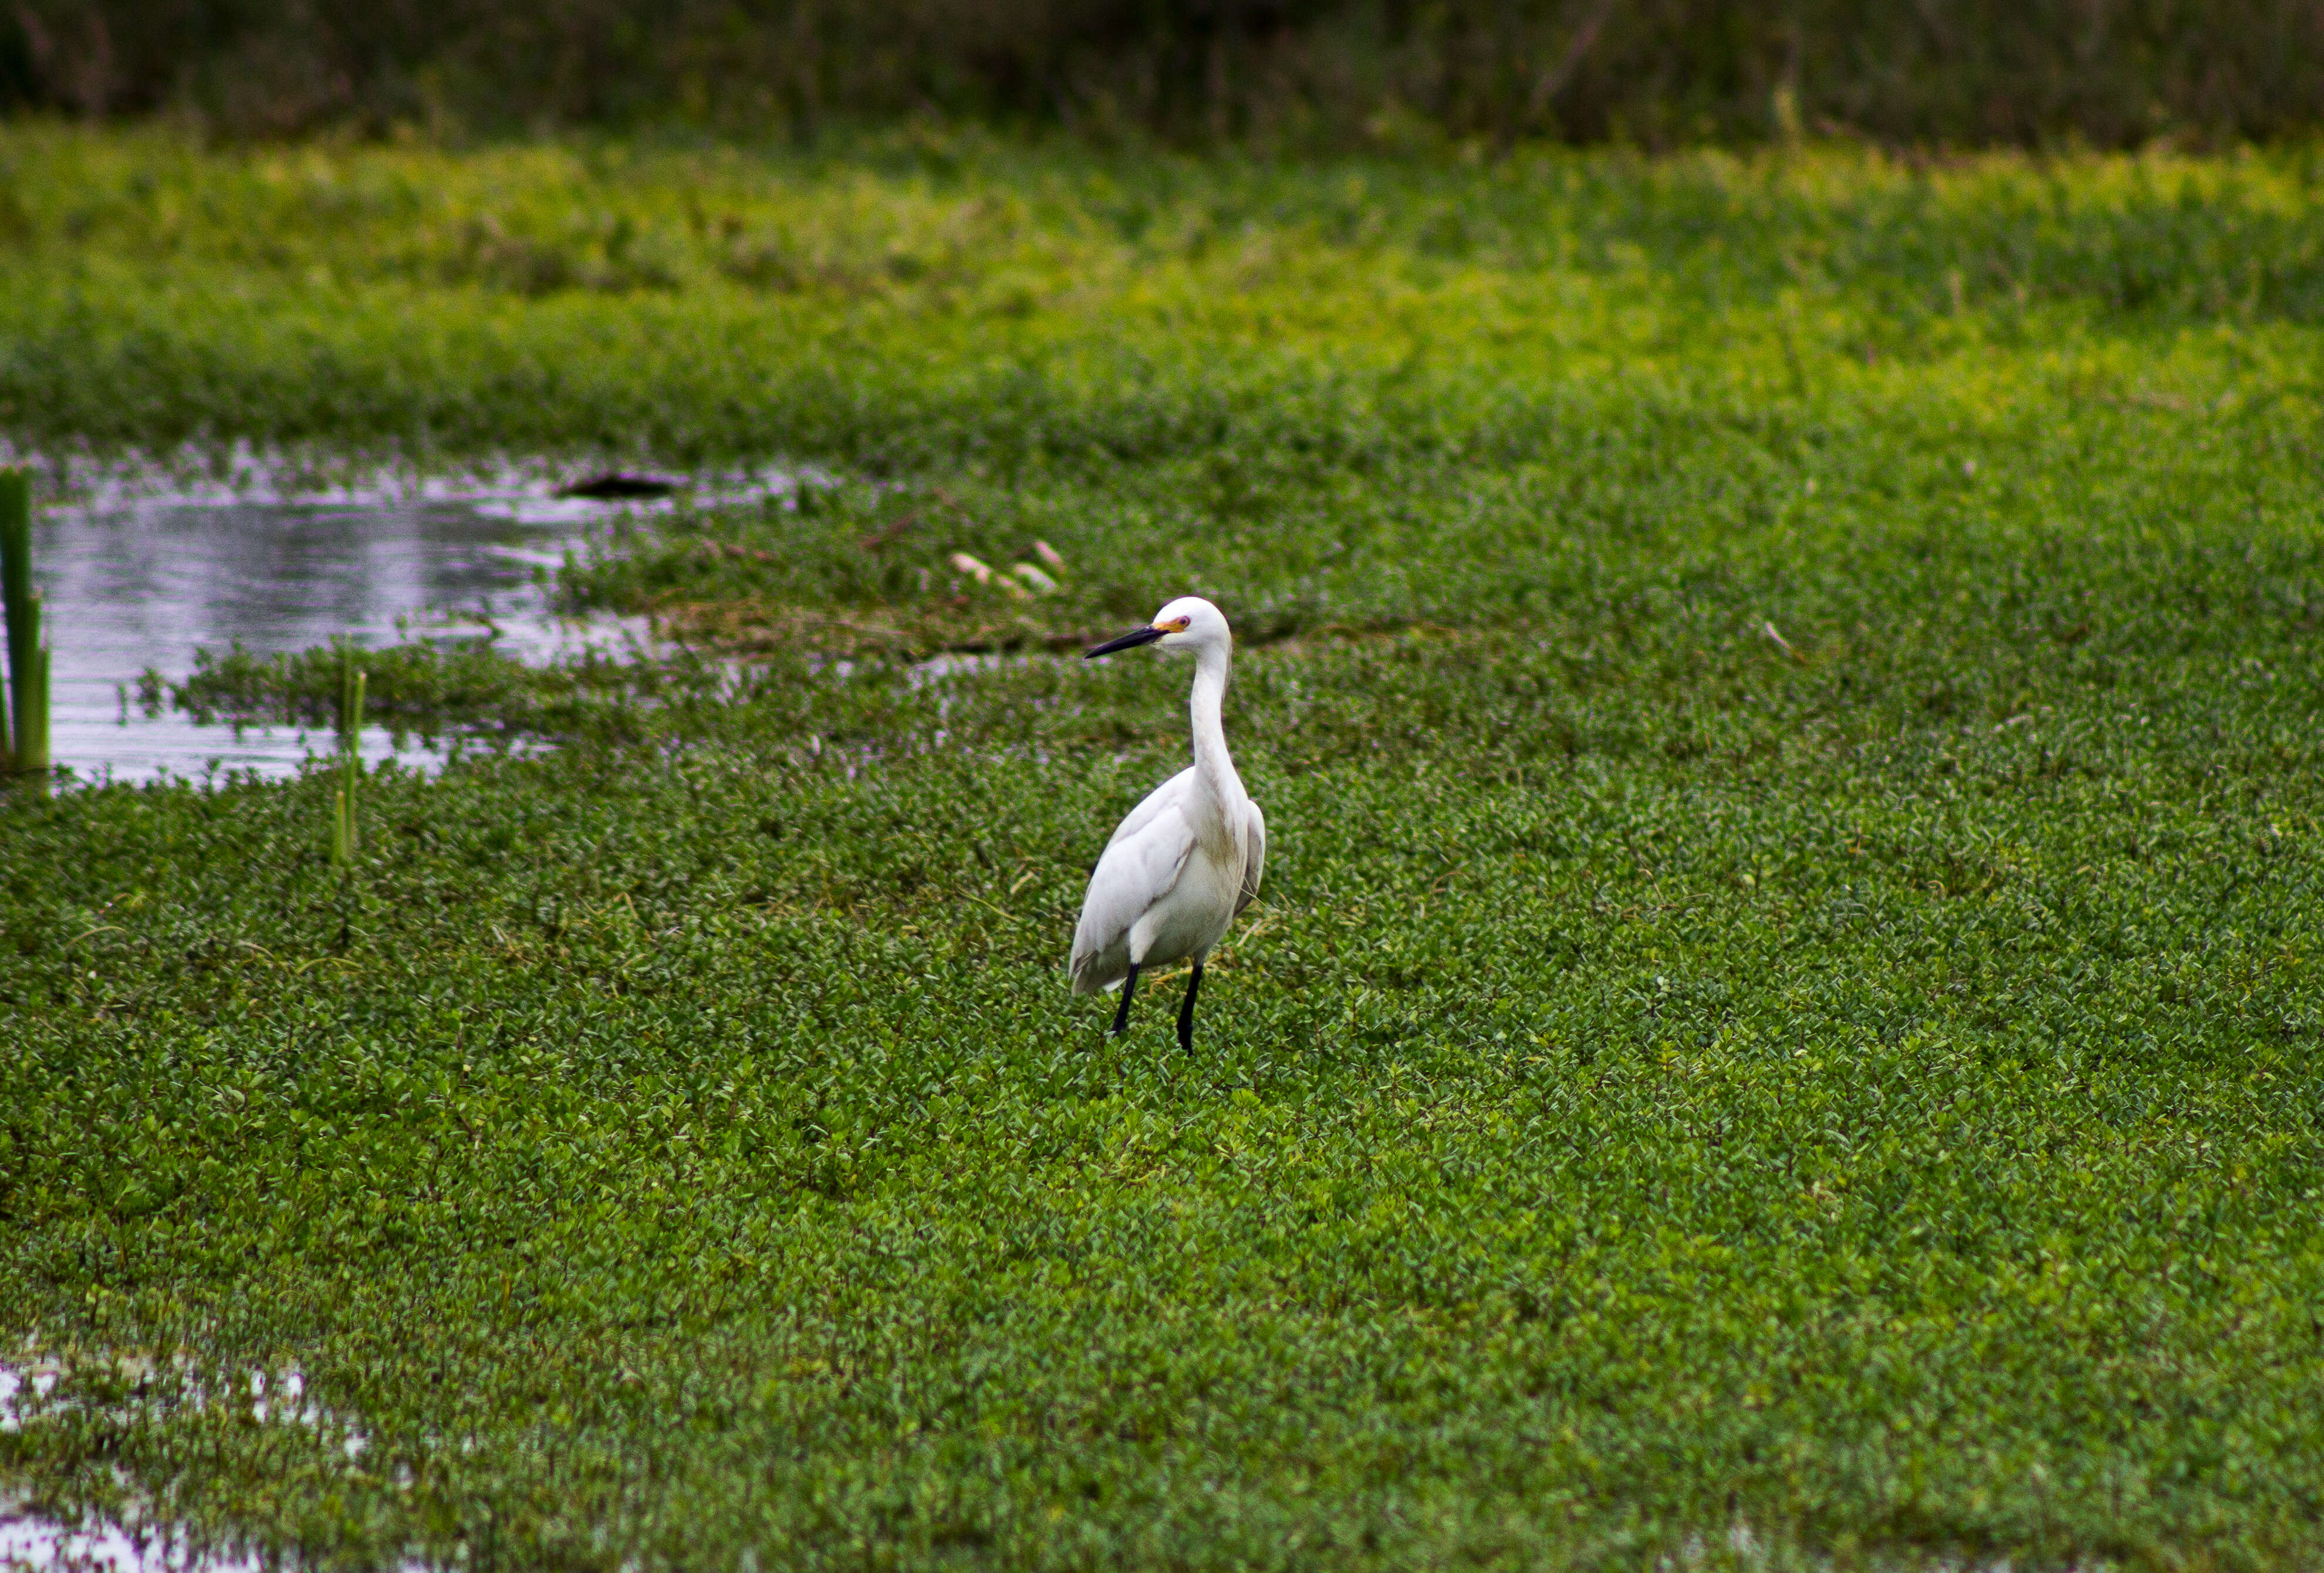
[{"x": 1785, "y": 995}]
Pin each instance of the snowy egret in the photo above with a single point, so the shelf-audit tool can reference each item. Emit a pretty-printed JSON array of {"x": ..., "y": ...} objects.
[{"x": 1188, "y": 858}]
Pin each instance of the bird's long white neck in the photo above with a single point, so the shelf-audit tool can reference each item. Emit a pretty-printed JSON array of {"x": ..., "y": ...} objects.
[{"x": 1222, "y": 795}]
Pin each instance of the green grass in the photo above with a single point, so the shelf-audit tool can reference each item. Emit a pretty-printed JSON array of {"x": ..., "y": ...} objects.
[
  {"x": 1787, "y": 991},
  {"x": 463, "y": 688}
]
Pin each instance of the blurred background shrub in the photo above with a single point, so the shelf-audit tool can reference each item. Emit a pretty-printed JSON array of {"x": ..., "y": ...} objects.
[{"x": 1272, "y": 73}]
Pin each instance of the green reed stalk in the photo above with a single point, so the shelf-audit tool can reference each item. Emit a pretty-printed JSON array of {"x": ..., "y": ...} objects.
[
  {"x": 24, "y": 736},
  {"x": 343, "y": 806},
  {"x": 33, "y": 743}
]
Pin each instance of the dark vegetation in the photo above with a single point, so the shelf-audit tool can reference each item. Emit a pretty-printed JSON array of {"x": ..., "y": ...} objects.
[{"x": 1278, "y": 72}]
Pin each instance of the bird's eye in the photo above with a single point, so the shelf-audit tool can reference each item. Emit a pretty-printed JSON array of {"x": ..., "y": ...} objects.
[{"x": 1177, "y": 624}]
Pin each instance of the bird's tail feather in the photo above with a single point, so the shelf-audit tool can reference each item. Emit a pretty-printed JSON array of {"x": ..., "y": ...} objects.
[{"x": 1096, "y": 972}]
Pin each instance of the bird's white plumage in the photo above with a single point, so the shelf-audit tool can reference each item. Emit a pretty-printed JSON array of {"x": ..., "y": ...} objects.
[
  {"x": 1140, "y": 866},
  {"x": 1187, "y": 858},
  {"x": 1254, "y": 865}
]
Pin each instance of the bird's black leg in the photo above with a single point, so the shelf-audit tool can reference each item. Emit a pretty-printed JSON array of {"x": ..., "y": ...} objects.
[
  {"x": 1186, "y": 1010},
  {"x": 1121, "y": 1016}
]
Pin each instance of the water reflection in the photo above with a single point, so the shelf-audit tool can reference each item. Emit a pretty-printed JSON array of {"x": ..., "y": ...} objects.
[
  {"x": 138, "y": 581},
  {"x": 134, "y": 1539}
]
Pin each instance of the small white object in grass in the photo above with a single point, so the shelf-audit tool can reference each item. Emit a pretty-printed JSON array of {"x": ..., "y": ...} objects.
[
  {"x": 1968, "y": 467},
  {"x": 1048, "y": 554},
  {"x": 1039, "y": 583},
  {"x": 971, "y": 568}
]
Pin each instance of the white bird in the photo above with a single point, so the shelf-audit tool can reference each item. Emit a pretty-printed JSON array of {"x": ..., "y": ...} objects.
[{"x": 1188, "y": 858}]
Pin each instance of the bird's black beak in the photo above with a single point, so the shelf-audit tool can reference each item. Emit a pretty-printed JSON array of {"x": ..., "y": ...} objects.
[{"x": 1127, "y": 642}]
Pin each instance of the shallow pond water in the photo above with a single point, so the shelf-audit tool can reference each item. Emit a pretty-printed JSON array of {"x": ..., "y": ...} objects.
[
  {"x": 33, "y": 1541},
  {"x": 138, "y": 576},
  {"x": 136, "y": 1540}
]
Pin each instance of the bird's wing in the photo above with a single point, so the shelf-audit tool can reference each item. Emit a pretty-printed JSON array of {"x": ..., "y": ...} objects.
[
  {"x": 1140, "y": 864},
  {"x": 1169, "y": 794},
  {"x": 1254, "y": 860}
]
